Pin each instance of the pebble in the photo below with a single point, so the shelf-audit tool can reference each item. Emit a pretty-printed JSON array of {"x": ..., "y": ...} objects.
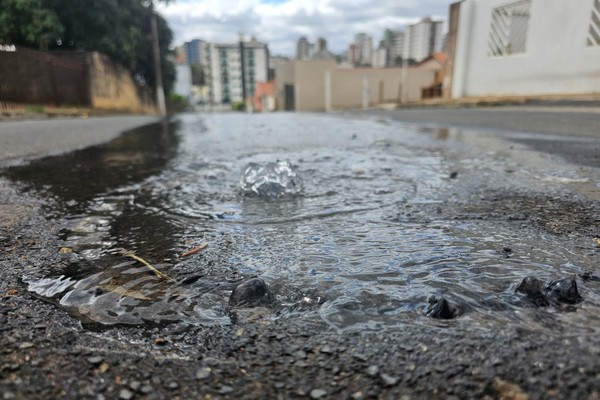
[
  {"x": 95, "y": 360},
  {"x": 125, "y": 394},
  {"x": 25, "y": 345},
  {"x": 389, "y": 380},
  {"x": 135, "y": 385},
  {"x": 203, "y": 373},
  {"x": 326, "y": 349},
  {"x": 373, "y": 371},
  {"x": 173, "y": 385},
  {"x": 317, "y": 393},
  {"x": 226, "y": 389}
]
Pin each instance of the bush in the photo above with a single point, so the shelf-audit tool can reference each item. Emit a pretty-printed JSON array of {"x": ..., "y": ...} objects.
[{"x": 238, "y": 106}]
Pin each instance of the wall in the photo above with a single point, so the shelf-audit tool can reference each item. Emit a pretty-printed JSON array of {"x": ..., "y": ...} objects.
[
  {"x": 557, "y": 59},
  {"x": 112, "y": 88},
  {"x": 347, "y": 86}
]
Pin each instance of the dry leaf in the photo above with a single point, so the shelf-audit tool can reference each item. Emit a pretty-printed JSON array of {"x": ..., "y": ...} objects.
[{"x": 65, "y": 250}]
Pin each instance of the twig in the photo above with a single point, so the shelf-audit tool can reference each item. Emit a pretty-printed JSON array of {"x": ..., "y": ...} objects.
[
  {"x": 150, "y": 267},
  {"x": 195, "y": 250}
]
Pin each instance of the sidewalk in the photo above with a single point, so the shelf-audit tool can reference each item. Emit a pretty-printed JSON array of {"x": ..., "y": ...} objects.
[{"x": 24, "y": 138}]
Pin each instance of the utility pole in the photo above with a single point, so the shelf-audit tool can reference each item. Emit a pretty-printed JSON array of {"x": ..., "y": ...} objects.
[{"x": 160, "y": 92}]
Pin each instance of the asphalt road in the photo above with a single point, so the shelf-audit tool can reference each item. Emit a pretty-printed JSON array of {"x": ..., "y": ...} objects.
[
  {"x": 583, "y": 120},
  {"x": 568, "y": 130},
  {"x": 40, "y": 137},
  {"x": 48, "y": 354}
]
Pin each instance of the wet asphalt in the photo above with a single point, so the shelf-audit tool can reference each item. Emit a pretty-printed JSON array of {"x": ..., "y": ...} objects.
[{"x": 44, "y": 353}]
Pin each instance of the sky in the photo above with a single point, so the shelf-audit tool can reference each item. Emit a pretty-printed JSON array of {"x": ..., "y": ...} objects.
[{"x": 280, "y": 23}]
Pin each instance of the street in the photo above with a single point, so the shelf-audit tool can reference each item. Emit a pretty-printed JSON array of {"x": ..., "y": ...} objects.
[{"x": 396, "y": 211}]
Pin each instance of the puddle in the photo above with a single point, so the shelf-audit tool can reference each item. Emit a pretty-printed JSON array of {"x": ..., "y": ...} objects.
[{"x": 335, "y": 251}]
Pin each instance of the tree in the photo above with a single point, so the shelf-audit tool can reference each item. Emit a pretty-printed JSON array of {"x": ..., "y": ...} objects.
[
  {"x": 118, "y": 28},
  {"x": 29, "y": 23}
]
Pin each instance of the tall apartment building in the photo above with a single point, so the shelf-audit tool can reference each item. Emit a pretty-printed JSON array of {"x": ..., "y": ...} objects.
[
  {"x": 235, "y": 69},
  {"x": 422, "y": 39},
  {"x": 196, "y": 52},
  {"x": 393, "y": 41},
  {"x": 302, "y": 49},
  {"x": 364, "y": 43}
]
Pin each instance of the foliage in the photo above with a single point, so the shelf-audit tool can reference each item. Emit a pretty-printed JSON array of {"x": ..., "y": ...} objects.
[
  {"x": 177, "y": 103},
  {"x": 120, "y": 29},
  {"x": 238, "y": 106},
  {"x": 35, "y": 109},
  {"x": 29, "y": 22}
]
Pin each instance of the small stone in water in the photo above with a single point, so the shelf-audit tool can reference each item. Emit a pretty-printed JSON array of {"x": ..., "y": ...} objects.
[
  {"x": 317, "y": 393},
  {"x": 251, "y": 293}
]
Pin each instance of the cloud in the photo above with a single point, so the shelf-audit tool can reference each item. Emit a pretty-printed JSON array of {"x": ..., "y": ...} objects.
[{"x": 280, "y": 23}]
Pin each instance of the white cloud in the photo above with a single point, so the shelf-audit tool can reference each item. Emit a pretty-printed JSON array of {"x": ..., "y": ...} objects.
[{"x": 281, "y": 23}]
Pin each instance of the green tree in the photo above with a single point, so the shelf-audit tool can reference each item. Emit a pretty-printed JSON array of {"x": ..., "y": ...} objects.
[
  {"x": 120, "y": 29},
  {"x": 29, "y": 23}
]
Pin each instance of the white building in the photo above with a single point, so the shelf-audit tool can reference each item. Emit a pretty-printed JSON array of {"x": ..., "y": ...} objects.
[
  {"x": 364, "y": 43},
  {"x": 526, "y": 47},
  {"x": 235, "y": 69},
  {"x": 422, "y": 39},
  {"x": 380, "y": 56},
  {"x": 302, "y": 49}
]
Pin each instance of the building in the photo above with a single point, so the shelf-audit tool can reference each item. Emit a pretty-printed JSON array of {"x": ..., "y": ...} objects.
[
  {"x": 364, "y": 43},
  {"x": 274, "y": 61},
  {"x": 422, "y": 39},
  {"x": 302, "y": 49},
  {"x": 353, "y": 54},
  {"x": 380, "y": 56},
  {"x": 393, "y": 41},
  {"x": 234, "y": 70},
  {"x": 321, "y": 85},
  {"x": 264, "y": 97},
  {"x": 523, "y": 48},
  {"x": 195, "y": 52}
]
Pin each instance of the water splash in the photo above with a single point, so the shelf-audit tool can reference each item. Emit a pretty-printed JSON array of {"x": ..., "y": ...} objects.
[{"x": 273, "y": 179}]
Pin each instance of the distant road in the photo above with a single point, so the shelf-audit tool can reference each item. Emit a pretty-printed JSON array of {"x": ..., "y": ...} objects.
[
  {"x": 555, "y": 118},
  {"x": 39, "y": 137}
]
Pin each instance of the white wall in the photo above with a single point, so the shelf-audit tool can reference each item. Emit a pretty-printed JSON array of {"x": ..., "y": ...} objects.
[{"x": 557, "y": 59}]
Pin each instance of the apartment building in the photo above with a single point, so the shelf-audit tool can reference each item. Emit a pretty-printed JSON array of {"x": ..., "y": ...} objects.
[
  {"x": 234, "y": 69},
  {"x": 423, "y": 39}
]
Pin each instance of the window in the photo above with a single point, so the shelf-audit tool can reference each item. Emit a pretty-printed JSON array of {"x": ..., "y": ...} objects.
[
  {"x": 508, "y": 29},
  {"x": 593, "y": 38}
]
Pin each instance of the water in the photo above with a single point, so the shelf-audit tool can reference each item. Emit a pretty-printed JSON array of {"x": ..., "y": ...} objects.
[{"x": 333, "y": 247}]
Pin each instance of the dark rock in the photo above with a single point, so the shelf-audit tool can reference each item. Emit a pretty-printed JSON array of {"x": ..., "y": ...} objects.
[
  {"x": 251, "y": 293},
  {"x": 531, "y": 287},
  {"x": 588, "y": 277},
  {"x": 440, "y": 308},
  {"x": 453, "y": 174},
  {"x": 564, "y": 291}
]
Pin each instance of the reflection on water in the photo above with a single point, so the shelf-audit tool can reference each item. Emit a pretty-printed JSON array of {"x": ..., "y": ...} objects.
[{"x": 338, "y": 251}]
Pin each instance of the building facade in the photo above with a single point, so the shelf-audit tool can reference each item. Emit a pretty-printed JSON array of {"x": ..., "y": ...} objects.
[
  {"x": 524, "y": 48},
  {"x": 195, "y": 52},
  {"x": 234, "y": 70},
  {"x": 302, "y": 49},
  {"x": 364, "y": 43},
  {"x": 422, "y": 39}
]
